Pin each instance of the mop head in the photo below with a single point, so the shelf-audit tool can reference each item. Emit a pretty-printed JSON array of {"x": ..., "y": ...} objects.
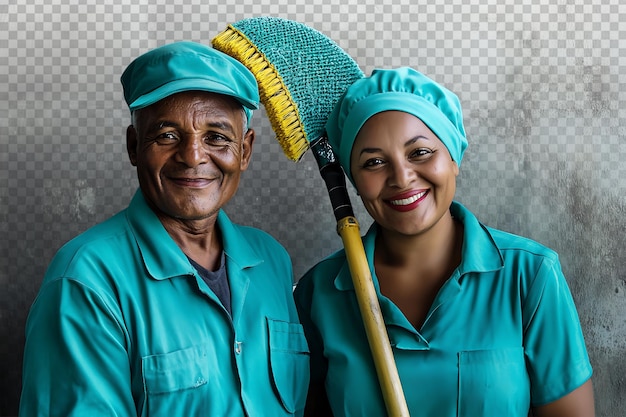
[{"x": 301, "y": 75}]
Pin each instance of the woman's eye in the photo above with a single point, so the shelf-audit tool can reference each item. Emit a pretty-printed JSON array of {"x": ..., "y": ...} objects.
[
  {"x": 374, "y": 162},
  {"x": 420, "y": 152}
]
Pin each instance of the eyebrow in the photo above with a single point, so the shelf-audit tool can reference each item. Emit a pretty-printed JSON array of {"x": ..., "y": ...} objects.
[
  {"x": 154, "y": 127},
  {"x": 162, "y": 124},
  {"x": 407, "y": 143},
  {"x": 216, "y": 125}
]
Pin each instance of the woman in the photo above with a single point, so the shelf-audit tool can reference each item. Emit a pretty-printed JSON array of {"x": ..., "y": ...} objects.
[{"x": 481, "y": 322}]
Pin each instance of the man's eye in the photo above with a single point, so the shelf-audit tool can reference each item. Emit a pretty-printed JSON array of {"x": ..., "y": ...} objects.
[
  {"x": 217, "y": 139},
  {"x": 166, "y": 137}
]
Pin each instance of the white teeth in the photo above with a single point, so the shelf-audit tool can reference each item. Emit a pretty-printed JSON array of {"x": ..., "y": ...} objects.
[{"x": 407, "y": 201}]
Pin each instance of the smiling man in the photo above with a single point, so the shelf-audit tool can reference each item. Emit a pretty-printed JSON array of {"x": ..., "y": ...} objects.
[{"x": 168, "y": 308}]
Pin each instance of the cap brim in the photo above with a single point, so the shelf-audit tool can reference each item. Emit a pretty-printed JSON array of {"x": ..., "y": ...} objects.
[{"x": 194, "y": 84}]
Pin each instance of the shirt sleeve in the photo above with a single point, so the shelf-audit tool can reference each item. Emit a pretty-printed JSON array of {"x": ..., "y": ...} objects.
[
  {"x": 555, "y": 349},
  {"x": 75, "y": 357}
]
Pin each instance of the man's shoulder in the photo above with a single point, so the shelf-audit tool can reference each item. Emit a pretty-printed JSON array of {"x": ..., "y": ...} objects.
[
  {"x": 99, "y": 234},
  {"x": 94, "y": 247},
  {"x": 255, "y": 236},
  {"x": 253, "y": 231}
]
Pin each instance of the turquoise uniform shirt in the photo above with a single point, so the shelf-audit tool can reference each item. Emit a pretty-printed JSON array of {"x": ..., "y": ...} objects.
[
  {"x": 502, "y": 333},
  {"x": 123, "y": 325}
]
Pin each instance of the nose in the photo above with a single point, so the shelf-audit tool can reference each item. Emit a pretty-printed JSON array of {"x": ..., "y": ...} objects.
[
  {"x": 401, "y": 174},
  {"x": 191, "y": 151}
]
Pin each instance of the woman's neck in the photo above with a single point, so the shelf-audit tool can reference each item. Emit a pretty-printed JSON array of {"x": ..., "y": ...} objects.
[
  {"x": 435, "y": 249},
  {"x": 412, "y": 269}
]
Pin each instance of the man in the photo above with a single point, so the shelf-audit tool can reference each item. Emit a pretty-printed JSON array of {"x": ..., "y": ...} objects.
[{"x": 168, "y": 308}]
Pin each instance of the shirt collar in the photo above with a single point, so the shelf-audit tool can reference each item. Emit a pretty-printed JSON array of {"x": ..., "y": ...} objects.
[
  {"x": 480, "y": 252},
  {"x": 164, "y": 259},
  {"x": 236, "y": 245}
]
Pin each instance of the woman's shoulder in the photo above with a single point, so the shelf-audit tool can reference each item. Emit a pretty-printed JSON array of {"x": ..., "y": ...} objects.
[
  {"x": 330, "y": 265},
  {"x": 324, "y": 272},
  {"x": 508, "y": 242}
]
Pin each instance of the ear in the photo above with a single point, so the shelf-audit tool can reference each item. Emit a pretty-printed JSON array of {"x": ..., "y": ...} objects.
[
  {"x": 455, "y": 168},
  {"x": 246, "y": 149},
  {"x": 131, "y": 144}
]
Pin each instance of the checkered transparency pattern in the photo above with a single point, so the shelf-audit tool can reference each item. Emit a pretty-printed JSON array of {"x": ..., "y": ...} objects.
[{"x": 542, "y": 84}]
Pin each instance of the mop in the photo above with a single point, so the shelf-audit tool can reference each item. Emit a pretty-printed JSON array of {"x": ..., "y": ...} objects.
[{"x": 301, "y": 75}]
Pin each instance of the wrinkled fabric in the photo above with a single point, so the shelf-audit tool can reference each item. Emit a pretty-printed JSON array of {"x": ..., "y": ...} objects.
[
  {"x": 124, "y": 326},
  {"x": 501, "y": 335}
]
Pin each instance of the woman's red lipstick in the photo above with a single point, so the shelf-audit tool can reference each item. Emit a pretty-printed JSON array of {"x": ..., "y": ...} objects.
[{"x": 407, "y": 201}]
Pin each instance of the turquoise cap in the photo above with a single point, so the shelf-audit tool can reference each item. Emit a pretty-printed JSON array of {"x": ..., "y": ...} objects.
[
  {"x": 187, "y": 66},
  {"x": 402, "y": 89}
]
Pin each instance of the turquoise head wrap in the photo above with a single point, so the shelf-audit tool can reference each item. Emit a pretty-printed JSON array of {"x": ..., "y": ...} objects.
[
  {"x": 186, "y": 66},
  {"x": 402, "y": 89}
]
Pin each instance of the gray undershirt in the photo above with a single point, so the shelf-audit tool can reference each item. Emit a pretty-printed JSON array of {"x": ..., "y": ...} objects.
[{"x": 216, "y": 280}]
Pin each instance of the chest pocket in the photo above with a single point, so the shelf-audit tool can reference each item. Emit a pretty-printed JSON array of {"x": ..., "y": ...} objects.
[
  {"x": 493, "y": 383},
  {"x": 176, "y": 381},
  {"x": 289, "y": 362}
]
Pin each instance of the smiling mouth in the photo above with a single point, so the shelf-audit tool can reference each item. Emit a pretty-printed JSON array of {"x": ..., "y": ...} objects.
[
  {"x": 191, "y": 182},
  {"x": 407, "y": 201}
]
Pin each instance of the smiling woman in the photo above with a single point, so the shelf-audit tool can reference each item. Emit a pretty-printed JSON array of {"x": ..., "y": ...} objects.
[
  {"x": 472, "y": 312},
  {"x": 404, "y": 174}
]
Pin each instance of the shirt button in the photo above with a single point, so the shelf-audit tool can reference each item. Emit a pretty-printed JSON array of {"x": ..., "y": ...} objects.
[{"x": 238, "y": 347}]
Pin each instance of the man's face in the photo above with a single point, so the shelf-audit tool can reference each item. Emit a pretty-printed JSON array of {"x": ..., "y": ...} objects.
[{"x": 189, "y": 150}]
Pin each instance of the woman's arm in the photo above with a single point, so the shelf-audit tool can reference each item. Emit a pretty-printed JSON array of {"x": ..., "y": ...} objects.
[{"x": 578, "y": 403}]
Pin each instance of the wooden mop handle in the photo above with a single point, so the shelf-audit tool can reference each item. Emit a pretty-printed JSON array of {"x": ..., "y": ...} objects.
[
  {"x": 375, "y": 329},
  {"x": 349, "y": 230}
]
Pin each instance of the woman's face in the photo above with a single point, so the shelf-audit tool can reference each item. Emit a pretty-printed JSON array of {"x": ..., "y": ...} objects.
[{"x": 403, "y": 173}]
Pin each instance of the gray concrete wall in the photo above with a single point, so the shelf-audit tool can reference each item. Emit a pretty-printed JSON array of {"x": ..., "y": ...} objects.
[{"x": 542, "y": 83}]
